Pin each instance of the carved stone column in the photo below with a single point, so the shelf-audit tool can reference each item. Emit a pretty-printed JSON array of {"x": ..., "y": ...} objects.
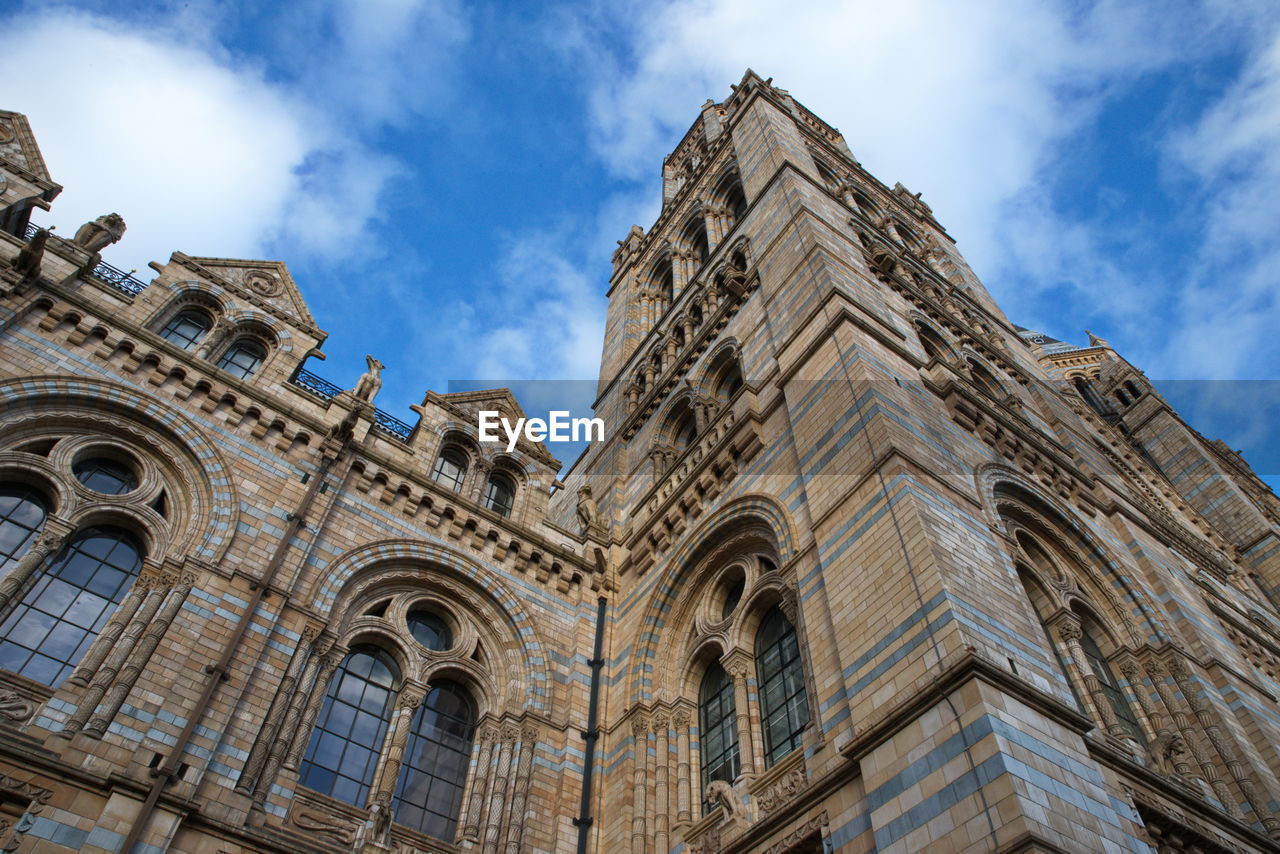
[
  {"x": 137, "y": 661},
  {"x": 1172, "y": 744},
  {"x": 51, "y": 540},
  {"x": 1160, "y": 679},
  {"x": 479, "y": 783},
  {"x": 680, "y": 720},
  {"x": 152, "y": 591},
  {"x": 738, "y": 666},
  {"x": 640, "y": 783},
  {"x": 520, "y": 792},
  {"x": 1070, "y": 632},
  {"x": 106, "y": 640},
  {"x": 388, "y": 771},
  {"x": 284, "y": 731},
  {"x": 328, "y": 663},
  {"x": 1256, "y": 791},
  {"x": 661, "y": 791},
  {"x": 498, "y": 789},
  {"x": 272, "y": 724}
]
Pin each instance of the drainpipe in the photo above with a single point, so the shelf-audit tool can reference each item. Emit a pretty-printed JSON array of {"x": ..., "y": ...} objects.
[
  {"x": 220, "y": 672},
  {"x": 592, "y": 733}
]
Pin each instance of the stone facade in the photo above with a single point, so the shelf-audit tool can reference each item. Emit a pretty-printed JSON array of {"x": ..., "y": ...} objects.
[{"x": 914, "y": 577}]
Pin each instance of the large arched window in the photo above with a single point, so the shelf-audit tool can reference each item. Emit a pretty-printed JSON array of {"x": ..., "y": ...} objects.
[
  {"x": 343, "y": 752},
  {"x": 500, "y": 494},
  {"x": 1110, "y": 686},
  {"x": 450, "y": 468},
  {"x": 187, "y": 328},
  {"x": 428, "y": 795},
  {"x": 784, "y": 704},
  {"x": 1042, "y": 605},
  {"x": 243, "y": 358},
  {"x": 49, "y": 630},
  {"x": 717, "y": 729},
  {"x": 22, "y": 513}
]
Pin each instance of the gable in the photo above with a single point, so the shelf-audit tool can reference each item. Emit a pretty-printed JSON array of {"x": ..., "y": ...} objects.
[{"x": 264, "y": 284}]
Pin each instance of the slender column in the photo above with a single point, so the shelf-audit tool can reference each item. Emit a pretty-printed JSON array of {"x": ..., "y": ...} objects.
[
  {"x": 266, "y": 740},
  {"x": 737, "y": 669},
  {"x": 328, "y": 663},
  {"x": 1160, "y": 679},
  {"x": 498, "y": 793},
  {"x": 152, "y": 592},
  {"x": 520, "y": 794},
  {"x": 479, "y": 784},
  {"x": 111, "y": 632},
  {"x": 1070, "y": 632},
  {"x": 661, "y": 794},
  {"x": 51, "y": 540},
  {"x": 129, "y": 674},
  {"x": 640, "y": 782},
  {"x": 388, "y": 771},
  {"x": 1237, "y": 767},
  {"x": 1174, "y": 745},
  {"x": 680, "y": 720}
]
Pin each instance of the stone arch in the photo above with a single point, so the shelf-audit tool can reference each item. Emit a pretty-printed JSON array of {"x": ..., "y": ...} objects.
[
  {"x": 750, "y": 522},
  {"x": 204, "y": 497},
  {"x": 1011, "y": 500},
  {"x": 366, "y": 571}
]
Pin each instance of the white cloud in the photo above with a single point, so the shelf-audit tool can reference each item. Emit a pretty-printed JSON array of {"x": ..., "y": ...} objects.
[{"x": 205, "y": 152}]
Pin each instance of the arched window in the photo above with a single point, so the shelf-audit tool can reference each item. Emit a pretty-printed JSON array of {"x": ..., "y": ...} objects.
[
  {"x": 983, "y": 379},
  {"x": 428, "y": 795},
  {"x": 343, "y": 752},
  {"x": 1090, "y": 395},
  {"x": 500, "y": 494},
  {"x": 48, "y": 631},
  {"x": 934, "y": 346},
  {"x": 686, "y": 432},
  {"x": 695, "y": 237},
  {"x": 824, "y": 172},
  {"x": 1042, "y": 604},
  {"x": 187, "y": 328},
  {"x": 450, "y": 469},
  {"x": 1133, "y": 389},
  {"x": 107, "y": 476},
  {"x": 1110, "y": 687},
  {"x": 22, "y": 514},
  {"x": 1122, "y": 397},
  {"x": 243, "y": 358},
  {"x": 664, "y": 280},
  {"x": 729, "y": 381},
  {"x": 430, "y": 630},
  {"x": 784, "y": 703},
  {"x": 736, "y": 201},
  {"x": 717, "y": 729}
]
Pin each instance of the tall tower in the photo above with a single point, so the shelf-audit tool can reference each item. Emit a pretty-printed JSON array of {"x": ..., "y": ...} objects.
[{"x": 891, "y": 573}]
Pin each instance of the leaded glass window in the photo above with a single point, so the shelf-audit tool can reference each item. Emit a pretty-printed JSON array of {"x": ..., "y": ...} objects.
[
  {"x": 717, "y": 729},
  {"x": 450, "y": 469},
  {"x": 243, "y": 358},
  {"x": 501, "y": 494},
  {"x": 187, "y": 328},
  {"x": 784, "y": 703},
  {"x": 109, "y": 477},
  {"x": 428, "y": 796},
  {"x": 22, "y": 513},
  {"x": 59, "y": 616},
  {"x": 1110, "y": 687},
  {"x": 343, "y": 752},
  {"x": 430, "y": 630}
]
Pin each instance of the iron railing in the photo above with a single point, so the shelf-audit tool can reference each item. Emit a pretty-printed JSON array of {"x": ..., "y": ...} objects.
[
  {"x": 325, "y": 390},
  {"x": 315, "y": 384},
  {"x": 104, "y": 272},
  {"x": 388, "y": 423}
]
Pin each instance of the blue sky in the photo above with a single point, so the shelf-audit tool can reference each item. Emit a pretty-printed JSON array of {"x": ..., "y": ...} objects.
[{"x": 446, "y": 181}]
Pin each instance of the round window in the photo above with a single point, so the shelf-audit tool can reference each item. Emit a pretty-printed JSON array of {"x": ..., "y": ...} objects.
[
  {"x": 107, "y": 476},
  {"x": 430, "y": 630}
]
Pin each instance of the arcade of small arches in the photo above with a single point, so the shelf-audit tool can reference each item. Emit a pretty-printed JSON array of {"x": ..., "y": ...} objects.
[
  {"x": 197, "y": 320},
  {"x": 1146, "y": 702},
  {"x": 692, "y": 411},
  {"x": 494, "y": 481}
]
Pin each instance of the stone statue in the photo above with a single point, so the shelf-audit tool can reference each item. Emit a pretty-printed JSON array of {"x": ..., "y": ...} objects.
[
  {"x": 370, "y": 381},
  {"x": 720, "y": 793},
  {"x": 101, "y": 233},
  {"x": 32, "y": 255},
  {"x": 588, "y": 511}
]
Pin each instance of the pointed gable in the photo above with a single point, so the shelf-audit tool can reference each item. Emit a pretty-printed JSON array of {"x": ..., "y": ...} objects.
[
  {"x": 264, "y": 284},
  {"x": 18, "y": 145},
  {"x": 467, "y": 405}
]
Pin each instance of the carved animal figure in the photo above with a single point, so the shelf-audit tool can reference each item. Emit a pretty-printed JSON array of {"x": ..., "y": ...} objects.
[
  {"x": 101, "y": 233},
  {"x": 370, "y": 381}
]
